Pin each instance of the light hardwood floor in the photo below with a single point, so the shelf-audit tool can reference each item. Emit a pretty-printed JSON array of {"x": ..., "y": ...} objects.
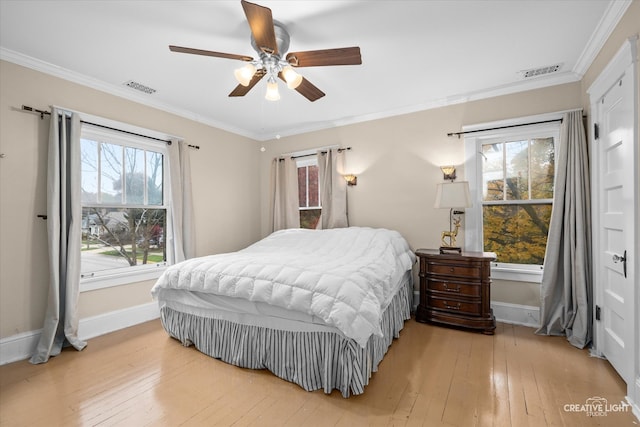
[{"x": 431, "y": 376}]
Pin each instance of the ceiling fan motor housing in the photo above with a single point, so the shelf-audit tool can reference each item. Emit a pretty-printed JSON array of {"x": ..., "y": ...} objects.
[{"x": 282, "y": 40}]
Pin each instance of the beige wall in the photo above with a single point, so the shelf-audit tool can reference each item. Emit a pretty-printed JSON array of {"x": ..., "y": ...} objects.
[
  {"x": 398, "y": 161},
  {"x": 226, "y": 196}
]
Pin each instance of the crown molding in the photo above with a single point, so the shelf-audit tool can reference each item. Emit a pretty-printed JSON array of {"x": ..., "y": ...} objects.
[
  {"x": 519, "y": 86},
  {"x": 601, "y": 33},
  {"x": 122, "y": 92},
  {"x": 507, "y": 89}
]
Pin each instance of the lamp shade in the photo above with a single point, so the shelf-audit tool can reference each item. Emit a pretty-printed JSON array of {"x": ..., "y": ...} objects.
[{"x": 453, "y": 195}]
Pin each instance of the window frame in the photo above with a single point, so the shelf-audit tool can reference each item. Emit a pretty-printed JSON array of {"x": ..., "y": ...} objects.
[
  {"x": 517, "y": 128},
  {"x": 306, "y": 162},
  {"x": 119, "y": 134}
]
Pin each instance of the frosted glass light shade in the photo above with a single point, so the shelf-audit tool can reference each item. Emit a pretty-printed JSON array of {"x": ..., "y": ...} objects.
[
  {"x": 292, "y": 78},
  {"x": 272, "y": 91},
  {"x": 453, "y": 195},
  {"x": 245, "y": 74}
]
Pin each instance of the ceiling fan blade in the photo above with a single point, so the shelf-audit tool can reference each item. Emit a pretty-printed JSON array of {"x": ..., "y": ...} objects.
[
  {"x": 318, "y": 58},
  {"x": 309, "y": 90},
  {"x": 209, "y": 53},
  {"x": 306, "y": 89},
  {"x": 243, "y": 90},
  {"x": 261, "y": 23}
]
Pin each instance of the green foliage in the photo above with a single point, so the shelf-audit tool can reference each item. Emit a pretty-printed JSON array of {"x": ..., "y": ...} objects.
[
  {"x": 518, "y": 171},
  {"x": 511, "y": 232}
]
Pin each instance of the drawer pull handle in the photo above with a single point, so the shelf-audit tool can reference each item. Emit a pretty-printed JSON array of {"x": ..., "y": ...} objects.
[
  {"x": 447, "y": 288},
  {"x": 451, "y": 270},
  {"x": 452, "y": 307}
]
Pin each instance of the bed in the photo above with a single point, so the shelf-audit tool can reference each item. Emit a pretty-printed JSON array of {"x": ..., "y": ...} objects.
[{"x": 318, "y": 308}]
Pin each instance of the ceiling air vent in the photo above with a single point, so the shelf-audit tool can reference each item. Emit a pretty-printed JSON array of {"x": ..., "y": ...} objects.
[
  {"x": 140, "y": 87},
  {"x": 541, "y": 71}
]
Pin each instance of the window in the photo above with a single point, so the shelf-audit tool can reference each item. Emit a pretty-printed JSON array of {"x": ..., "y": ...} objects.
[
  {"x": 517, "y": 194},
  {"x": 513, "y": 183},
  {"x": 308, "y": 192},
  {"x": 124, "y": 205}
]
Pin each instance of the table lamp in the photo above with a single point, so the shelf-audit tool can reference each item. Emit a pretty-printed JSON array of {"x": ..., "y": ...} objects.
[{"x": 452, "y": 195}]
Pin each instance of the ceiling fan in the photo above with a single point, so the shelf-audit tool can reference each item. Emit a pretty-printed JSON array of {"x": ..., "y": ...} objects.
[{"x": 270, "y": 40}]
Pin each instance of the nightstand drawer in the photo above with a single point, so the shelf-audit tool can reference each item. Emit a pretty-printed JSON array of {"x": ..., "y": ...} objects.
[
  {"x": 454, "y": 270},
  {"x": 455, "y": 288},
  {"x": 454, "y": 306}
]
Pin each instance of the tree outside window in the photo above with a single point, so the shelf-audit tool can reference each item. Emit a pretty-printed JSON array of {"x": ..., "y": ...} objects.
[
  {"x": 124, "y": 215},
  {"x": 517, "y": 197}
]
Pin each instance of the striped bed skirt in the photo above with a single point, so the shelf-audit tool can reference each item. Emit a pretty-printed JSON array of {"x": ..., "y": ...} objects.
[{"x": 313, "y": 360}]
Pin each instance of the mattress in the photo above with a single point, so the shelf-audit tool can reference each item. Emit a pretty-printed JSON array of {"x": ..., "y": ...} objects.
[{"x": 248, "y": 312}]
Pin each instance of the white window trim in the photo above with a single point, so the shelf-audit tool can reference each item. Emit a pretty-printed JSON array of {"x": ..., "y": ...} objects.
[
  {"x": 108, "y": 279},
  {"x": 473, "y": 216},
  {"x": 141, "y": 274},
  {"x": 305, "y": 162}
]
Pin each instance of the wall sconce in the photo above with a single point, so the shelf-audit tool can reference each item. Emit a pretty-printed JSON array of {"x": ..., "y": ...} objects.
[
  {"x": 351, "y": 179},
  {"x": 449, "y": 172}
]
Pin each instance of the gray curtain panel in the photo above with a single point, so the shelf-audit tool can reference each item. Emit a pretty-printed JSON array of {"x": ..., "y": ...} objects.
[
  {"x": 64, "y": 217},
  {"x": 333, "y": 189},
  {"x": 284, "y": 191},
  {"x": 566, "y": 291},
  {"x": 183, "y": 239}
]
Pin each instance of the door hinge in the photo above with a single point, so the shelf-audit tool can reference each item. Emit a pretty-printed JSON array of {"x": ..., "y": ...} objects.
[
  {"x": 596, "y": 131},
  {"x": 597, "y": 312}
]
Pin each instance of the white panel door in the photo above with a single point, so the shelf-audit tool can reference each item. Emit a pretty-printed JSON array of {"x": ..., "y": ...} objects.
[{"x": 616, "y": 226}]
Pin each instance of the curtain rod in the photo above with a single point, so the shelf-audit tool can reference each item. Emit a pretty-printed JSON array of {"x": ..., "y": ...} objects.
[
  {"x": 340, "y": 150},
  {"x": 43, "y": 112},
  {"x": 503, "y": 127}
]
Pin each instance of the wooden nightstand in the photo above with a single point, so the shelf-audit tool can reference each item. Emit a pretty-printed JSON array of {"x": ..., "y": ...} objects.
[{"x": 455, "y": 290}]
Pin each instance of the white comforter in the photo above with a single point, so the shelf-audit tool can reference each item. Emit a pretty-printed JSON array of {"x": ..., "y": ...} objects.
[{"x": 346, "y": 277}]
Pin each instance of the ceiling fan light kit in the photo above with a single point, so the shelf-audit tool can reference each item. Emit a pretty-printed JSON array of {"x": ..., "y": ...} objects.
[{"x": 270, "y": 40}]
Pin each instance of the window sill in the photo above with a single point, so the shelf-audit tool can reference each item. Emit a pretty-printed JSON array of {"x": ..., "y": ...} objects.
[
  {"x": 119, "y": 279},
  {"x": 516, "y": 274}
]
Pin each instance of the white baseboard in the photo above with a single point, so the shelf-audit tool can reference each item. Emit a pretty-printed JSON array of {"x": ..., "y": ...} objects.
[
  {"x": 18, "y": 347},
  {"x": 21, "y": 346},
  {"x": 92, "y": 327},
  {"x": 516, "y": 314}
]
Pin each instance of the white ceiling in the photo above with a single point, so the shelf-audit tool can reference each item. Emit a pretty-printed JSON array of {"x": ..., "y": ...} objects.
[{"x": 416, "y": 54}]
